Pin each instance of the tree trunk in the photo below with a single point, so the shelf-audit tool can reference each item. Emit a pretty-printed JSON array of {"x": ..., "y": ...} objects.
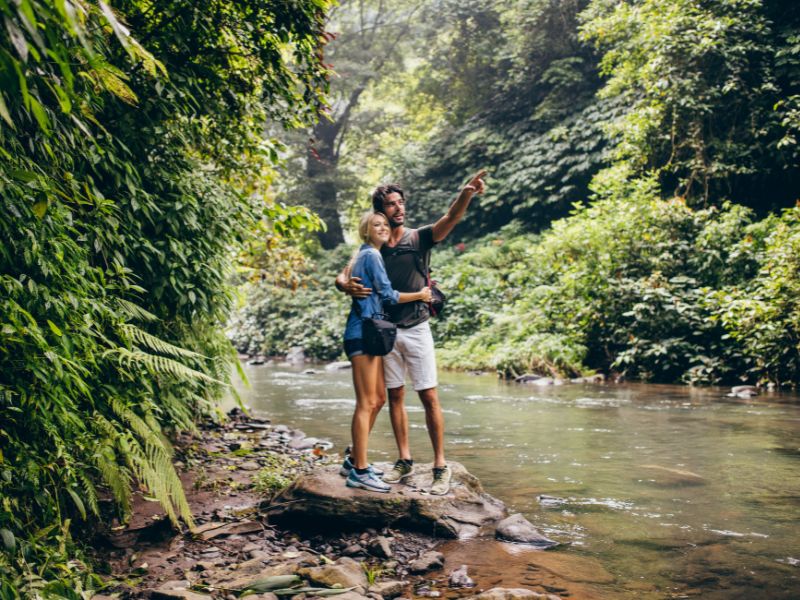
[{"x": 321, "y": 169}]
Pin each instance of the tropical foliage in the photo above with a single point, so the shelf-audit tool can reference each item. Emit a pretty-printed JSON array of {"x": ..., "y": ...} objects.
[{"x": 132, "y": 162}]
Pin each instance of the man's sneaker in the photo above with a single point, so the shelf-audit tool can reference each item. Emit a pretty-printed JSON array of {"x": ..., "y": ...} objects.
[
  {"x": 367, "y": 481},
  {"x": 401, "y": 470},
  {"x": 347, "y": 466},
  {"x": 441, "y": 480}
]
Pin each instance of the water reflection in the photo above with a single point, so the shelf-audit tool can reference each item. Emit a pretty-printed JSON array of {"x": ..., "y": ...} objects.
[{"x": 671, "y": 490}]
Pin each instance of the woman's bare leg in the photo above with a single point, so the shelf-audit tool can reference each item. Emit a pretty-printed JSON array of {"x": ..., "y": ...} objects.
[{"x": 366, "y": 369}]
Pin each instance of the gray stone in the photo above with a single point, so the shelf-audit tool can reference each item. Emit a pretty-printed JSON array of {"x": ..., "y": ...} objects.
[
  {"x": 427, "y": 562},
  {"x": 176, "y": 590},
  {"x": 517, "y": 528},
  {"x": 388, "y": 589},
  {"x": 320, "y": 499},
  {"x": 499, "y": 593},
  {"x": 303, "y": 443},
  {"x": 380, "y": 547},
  {"x": 264, "y": 596},
  {"x": 345, "y": 571},
  {"x": 296, "y": 355},
  {"x": 353, "y": 549},
  {"x": 460, "y": 579},
  {"x": 249, "y": 465}
]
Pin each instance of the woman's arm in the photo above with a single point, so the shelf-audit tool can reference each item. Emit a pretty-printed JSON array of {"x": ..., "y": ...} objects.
[{"x": 380, "y": 280}]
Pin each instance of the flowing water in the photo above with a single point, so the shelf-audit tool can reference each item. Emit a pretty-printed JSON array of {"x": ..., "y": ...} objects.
[{"x": 656, "y": 491}]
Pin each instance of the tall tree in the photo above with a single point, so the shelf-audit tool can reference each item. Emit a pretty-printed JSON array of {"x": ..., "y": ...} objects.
[{"x": 370, "y": 36}]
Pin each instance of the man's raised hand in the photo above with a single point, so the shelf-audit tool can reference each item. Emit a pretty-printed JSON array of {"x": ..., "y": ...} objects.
[{"x": 476, "y": 185}]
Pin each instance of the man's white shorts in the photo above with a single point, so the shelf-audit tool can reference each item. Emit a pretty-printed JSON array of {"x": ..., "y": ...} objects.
[{"x": 412, "y": 354}]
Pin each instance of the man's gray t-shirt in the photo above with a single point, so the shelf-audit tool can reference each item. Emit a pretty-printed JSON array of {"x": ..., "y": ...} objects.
[{"x": 404, "y": 265}]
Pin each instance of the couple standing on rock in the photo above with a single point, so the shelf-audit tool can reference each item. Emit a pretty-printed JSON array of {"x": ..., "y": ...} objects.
[{"x": 385, "y": 276}]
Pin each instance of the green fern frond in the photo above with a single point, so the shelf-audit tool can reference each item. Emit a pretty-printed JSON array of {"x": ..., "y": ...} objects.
[
  {"x": 160, "y": 365},
  {"x": 135, "y": 312},
  {"x": 155, "y": 471},
  {"x": 90, "y": 493},
  {"x": 151, "y": 342}
]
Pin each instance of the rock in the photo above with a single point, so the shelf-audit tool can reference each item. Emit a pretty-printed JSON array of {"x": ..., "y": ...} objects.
[
  {"x": 668, "y": 477},
  {"x": 499, "y": 593},
  {"x": 597, "y": 378},
  {"x": 388, "y": 589},
  {"x": 459, "y": 578},
  {"x": 304, "y": 443},
  {"x": 249, "y": 465},
  {"x": 320, "y": 501},
  {"x": 209, "y": 531},
  {"x": 310, "y": 372},
  {"x": 351, "y": 595},
  {"x": 258, "y": 360},
  {"x": 427, "y": 562},
  {"x": 296, "y": 355},
  {"x": 380, "y": 547},
  {"x": 176, "y": 590},
  {"x": 517, "y": 528},
  {"x": 353, "y": 549},
  {"x": 264, "y": 596},
  {"x": 345, "y": 571},
  {"x": 528, "y": 378},
  {"x": 341, "y": 365},
  {"x": 743, "y": 391}
]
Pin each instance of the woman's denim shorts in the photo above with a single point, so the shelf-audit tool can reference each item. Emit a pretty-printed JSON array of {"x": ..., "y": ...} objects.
[{"x": 354, "y": 347}]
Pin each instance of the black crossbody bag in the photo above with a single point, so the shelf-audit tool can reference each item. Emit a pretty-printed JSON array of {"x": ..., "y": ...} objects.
[
  {"x": 438, "y": 299},
  {"x": 378, "y": 332}
]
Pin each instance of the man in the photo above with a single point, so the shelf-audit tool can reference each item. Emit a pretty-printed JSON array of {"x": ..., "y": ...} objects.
[{"x": 406, "y": 255}]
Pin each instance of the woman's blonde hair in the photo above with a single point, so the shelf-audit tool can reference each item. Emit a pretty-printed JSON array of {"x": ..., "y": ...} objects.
[{"x": 363, "y": 225}]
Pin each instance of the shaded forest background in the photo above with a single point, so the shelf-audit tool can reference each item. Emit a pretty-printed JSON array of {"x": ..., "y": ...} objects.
[
  {"x": 641, "y": 215},
  {"x": 164, "y": 164}
]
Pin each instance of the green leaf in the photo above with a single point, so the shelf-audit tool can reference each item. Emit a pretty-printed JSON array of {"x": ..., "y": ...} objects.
[
  {"x": 78, "y": 502},
  {"x": 4, "y": 112},
  {"x": 54, "y": 328},
  {"x": 39, "y": 208},
  {"x": 9, "y": 541}
]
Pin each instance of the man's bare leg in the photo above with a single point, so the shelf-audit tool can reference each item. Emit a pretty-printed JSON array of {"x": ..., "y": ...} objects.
[
  {"x": 435, "y": 422},
  {"x": 399, "y": 417}
]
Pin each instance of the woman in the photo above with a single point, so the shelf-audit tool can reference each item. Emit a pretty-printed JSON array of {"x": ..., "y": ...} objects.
[{"x": 368, "y": 369}]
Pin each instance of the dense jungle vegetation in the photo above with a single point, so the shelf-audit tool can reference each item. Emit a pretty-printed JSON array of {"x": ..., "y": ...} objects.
[
  {"x": 133, "y": 161},
  {"x": 641, "y": 216}
]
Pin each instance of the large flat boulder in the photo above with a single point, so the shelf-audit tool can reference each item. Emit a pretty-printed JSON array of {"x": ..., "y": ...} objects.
[{"x": 322, "y": 500}]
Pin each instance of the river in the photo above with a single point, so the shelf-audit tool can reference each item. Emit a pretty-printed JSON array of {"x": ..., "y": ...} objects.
[{"x": 671, "y": 491}]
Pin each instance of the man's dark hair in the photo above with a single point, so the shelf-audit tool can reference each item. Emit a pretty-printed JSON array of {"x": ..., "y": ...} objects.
[{"x": 380, "y": 193}]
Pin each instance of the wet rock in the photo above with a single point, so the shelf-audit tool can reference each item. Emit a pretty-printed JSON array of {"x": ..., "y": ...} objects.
[
  {"x": 310, "y": 372},
  {"x": 380, "y": 547},
  {"x": 460, "y": 579},
  {"x": 743, "y": 391},
  {"x": 320, "y": 500},
  {"x": 427, "y": 562},
  {"x": 215, "y": 529},
  {"x": 669, "y": 477},
  {"x": 341, "y": 365},
  {"x": 517, "y": 528},
  {"x": 296, "y": 355},
  {"x": 528, "y": 378},
  {"x": 304, "y": 443},
  {"x": 345, "y": 571},
  {"x": 512, "y": 594},
  {"x": 176, "y": 590},
  {"x": 258, "y": 360},
  {"x": 388, "y": 589},
  {"x": 598, "y": 378},
  {"x": 353, "y": 549}
]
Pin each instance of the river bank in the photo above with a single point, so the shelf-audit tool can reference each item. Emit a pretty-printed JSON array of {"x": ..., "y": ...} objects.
[{"x": 232, "y": 474}]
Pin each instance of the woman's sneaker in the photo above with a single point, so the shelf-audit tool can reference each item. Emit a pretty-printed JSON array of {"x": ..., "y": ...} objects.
[
  {"x": 347, "y": 466},
  {"x": 441, "y": 480},
  {"x": 367, "y": 481},
  {"x": 402, "y": 469}
]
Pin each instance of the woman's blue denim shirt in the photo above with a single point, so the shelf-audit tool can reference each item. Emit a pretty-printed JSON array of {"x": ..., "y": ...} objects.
[{"x": 369, "y": 266}]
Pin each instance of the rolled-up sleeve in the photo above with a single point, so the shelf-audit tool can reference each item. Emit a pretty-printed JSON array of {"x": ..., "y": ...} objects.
[{"x": 377, "y": 272}]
